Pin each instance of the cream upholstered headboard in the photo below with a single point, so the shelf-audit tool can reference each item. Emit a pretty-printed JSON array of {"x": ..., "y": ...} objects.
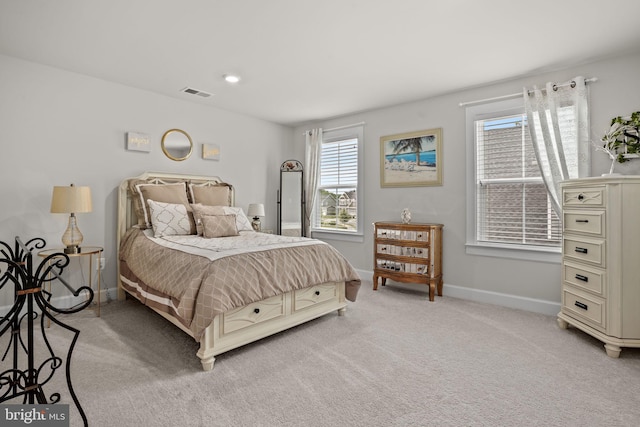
[{"x": 126, "y": 211}]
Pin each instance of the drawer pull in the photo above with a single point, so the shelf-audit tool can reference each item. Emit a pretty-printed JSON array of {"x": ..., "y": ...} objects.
[
  {"x": 256, "y": 310},
  {"x": 317, "y": 292},
  {"x": 581, "y": 250},
  {"x": 580, "y": 197},
  {"x": 581, "y": 305},
  {"x": 581, "y": 277},
  {"x": 582, "y": 220}
]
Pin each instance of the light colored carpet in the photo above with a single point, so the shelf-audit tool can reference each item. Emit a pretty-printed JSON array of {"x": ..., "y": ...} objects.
[{"x": 394, "y": 359}]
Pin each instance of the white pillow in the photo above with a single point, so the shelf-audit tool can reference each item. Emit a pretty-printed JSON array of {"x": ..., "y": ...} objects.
[
  {"x": 169, "y": 219},
  {"x": 242, "y": 222}
]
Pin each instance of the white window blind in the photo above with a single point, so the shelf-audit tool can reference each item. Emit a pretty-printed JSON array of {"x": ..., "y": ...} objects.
[
  {"x": 512, "y": 201},
  {"x": 336, "y": 202}
]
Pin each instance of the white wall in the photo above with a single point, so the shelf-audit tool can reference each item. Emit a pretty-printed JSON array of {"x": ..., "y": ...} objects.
[
  {"x": 615, "y": 93},
  {"x": 60, "y": 128}
]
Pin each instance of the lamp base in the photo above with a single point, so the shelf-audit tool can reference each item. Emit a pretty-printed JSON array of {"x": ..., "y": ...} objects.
[
  {"x": 72, "y": 237},
  {"x": 256, "y": 223}
]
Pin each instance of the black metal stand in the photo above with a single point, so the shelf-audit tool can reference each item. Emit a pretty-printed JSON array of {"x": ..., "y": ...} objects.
[{"x": 17, "y": 272}]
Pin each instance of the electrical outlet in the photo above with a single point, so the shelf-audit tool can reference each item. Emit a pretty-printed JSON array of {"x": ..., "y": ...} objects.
[{"x": 100, "y": 265}]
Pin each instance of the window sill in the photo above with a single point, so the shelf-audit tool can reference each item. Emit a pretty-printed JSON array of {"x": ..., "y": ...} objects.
[
  {"x": 526, "y": 253},
  {"x": 336, "y": 235}
]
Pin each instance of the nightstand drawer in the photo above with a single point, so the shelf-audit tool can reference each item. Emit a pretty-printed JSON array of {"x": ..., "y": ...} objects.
[
  {"x": 588, "y": 222},
  {"x": 583, "y": 277},
  {"x": 583, "y": 196},
  {"x": 584, "y": 249},
  {"x": 589, "y": 308}
]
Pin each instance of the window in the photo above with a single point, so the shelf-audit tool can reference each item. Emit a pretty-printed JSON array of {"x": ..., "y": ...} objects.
[
  {"x": 337, "y": 208},
  {"x": 509, "y": 207}
]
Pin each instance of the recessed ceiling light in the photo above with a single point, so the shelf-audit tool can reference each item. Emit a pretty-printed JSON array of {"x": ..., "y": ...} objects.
[{"x": 231, "y": 78}]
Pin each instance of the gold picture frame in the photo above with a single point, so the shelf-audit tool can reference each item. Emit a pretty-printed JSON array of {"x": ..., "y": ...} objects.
[{"x": 412, "y": 159}]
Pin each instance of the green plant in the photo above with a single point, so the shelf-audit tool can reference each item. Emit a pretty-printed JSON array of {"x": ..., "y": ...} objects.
[
  {"x": 344, "y": 215},
  {"x": 622, "y": 141}
]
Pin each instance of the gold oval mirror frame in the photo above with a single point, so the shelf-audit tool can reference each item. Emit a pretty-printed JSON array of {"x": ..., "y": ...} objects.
[{"x": 177, "y": 144}]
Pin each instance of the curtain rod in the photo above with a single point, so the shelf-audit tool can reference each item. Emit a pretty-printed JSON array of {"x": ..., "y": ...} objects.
[
  {"x": 516, "y": 95},
  {"x": 338, "y": 128}
]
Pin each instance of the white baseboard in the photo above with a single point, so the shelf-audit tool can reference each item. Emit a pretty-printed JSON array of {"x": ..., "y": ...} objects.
[
  {"x": 550, "y": 308},
  {"x": 69, "y": 301}
]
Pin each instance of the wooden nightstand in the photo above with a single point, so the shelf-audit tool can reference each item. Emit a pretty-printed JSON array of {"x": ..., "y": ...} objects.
[
  {"x": 94, "y": 253},
  {"x": 408, "y": 253}
]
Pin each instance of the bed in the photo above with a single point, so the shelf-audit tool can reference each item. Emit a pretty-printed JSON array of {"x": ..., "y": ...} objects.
[{"x": 188, "y": 253}]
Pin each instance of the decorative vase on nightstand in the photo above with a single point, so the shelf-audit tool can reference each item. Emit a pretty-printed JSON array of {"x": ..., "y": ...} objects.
[{"x": 406, "y": 216}]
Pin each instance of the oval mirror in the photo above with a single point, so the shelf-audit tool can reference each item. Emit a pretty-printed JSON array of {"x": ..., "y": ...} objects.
[{"x": 177, "y": 144}]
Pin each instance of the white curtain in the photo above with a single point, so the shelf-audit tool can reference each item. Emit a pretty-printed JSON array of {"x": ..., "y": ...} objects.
[
  {"x": 558, "y": 121},
  {"x": 313, "y": 145}
]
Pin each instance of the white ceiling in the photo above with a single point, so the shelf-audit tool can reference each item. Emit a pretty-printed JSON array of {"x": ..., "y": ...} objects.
[{"x": 305, "y": 60}]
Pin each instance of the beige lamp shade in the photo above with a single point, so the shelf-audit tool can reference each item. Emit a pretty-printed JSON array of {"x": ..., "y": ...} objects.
[
  {"x": 256, "y": 209},
  {"x": 71, "y": 199}
]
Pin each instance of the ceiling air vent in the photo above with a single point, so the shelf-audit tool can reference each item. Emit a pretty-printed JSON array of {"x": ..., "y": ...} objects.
[{"x": 197, "y": 92}]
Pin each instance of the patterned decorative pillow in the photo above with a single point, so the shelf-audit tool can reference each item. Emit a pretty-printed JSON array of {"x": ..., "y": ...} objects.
[
  {"x": 169, "y": 219},
  {"x": 242, "y": 222},
  {"x": 219, "y": 226},
  {"x": 200, "y": 210}
]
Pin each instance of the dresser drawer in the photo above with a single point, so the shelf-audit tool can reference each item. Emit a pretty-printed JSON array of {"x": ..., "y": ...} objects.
[
  {"x": 583, "y": 277},
  {"x": 589, "y": 309},
  {"x": 584, "y": 221},
  {"x": 585, "y": 196},
  {"x": 303, "y": 298},
  {"x": 253, "y": 313},
  {"x": 583, "y": 249}
]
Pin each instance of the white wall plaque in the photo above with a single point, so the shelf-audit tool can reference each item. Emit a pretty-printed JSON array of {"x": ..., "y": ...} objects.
[
  {"x": 211, "y": 151},
  {"x": 138, "y": 142}
]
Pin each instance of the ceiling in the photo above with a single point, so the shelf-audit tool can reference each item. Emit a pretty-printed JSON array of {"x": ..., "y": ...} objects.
[{"x": 307, "y": 60}]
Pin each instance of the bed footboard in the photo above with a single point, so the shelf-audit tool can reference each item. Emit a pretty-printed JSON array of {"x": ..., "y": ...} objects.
[
  {"x": 261, "y": 319},
  {"x": 258, "y": 320}
]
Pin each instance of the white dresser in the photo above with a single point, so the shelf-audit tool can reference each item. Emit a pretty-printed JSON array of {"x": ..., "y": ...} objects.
[{"x": 601, "y": 259}]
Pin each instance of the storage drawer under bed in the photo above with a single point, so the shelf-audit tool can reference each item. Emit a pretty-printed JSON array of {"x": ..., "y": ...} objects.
[
  {"x": 253, "y": 313},
  {"x": 307, "y": 297}
]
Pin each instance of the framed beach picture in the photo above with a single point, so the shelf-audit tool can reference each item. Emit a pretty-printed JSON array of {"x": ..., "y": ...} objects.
[{"x": 411, "y": 159}]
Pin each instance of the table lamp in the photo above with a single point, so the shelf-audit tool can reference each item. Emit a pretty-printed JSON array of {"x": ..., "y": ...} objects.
[
  {"x": 256, "y": 210},
  {"x": 71, "y": 200}
]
